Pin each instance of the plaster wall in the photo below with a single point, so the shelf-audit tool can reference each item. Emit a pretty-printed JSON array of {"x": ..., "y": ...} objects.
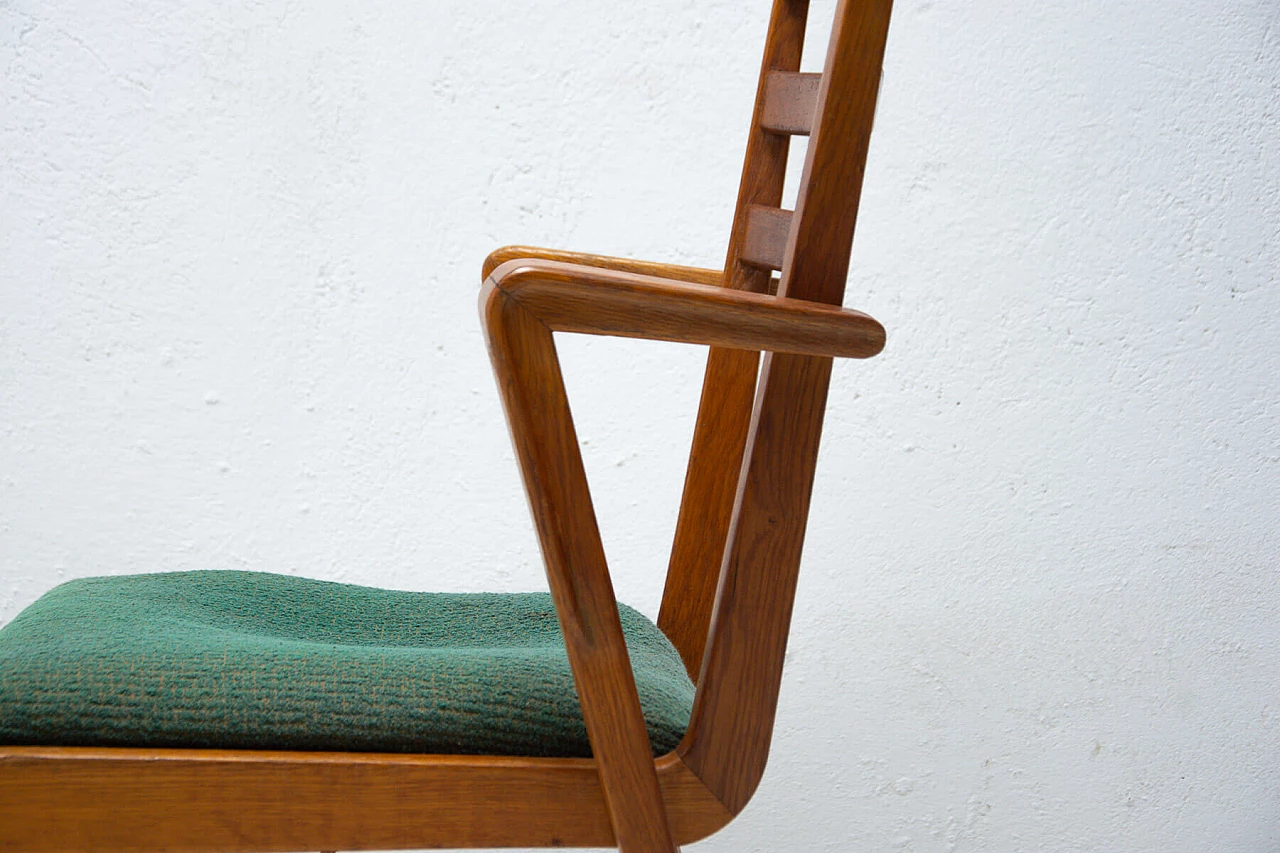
[{"x": 239, "y": 254}]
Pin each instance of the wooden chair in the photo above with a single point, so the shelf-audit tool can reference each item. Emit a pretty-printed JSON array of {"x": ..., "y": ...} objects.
[{"x": 732, "y": 576}]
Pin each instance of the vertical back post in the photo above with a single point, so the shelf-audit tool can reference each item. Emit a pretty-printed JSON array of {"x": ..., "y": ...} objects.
[
  {"x": 729, "y": 384},
  {"x": 732, "y": 725}
]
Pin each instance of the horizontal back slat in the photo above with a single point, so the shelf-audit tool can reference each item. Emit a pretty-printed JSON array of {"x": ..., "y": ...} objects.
[
  {"x": 790, "y": 101},
  {"x": 767, "y": 232}
]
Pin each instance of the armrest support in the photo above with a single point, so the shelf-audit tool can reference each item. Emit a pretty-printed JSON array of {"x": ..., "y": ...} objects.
[
  {"x": 673, "y": 272},
  {"x": 572, "y": 298},
  {"x": 533, "y": 394}
]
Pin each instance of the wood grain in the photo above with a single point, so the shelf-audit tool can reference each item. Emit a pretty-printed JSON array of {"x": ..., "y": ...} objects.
[
  {"x": 673, "y": 272},
  {"x": 532, "y": 389},
  {"x": 729, "y": 382},
  {"x": 817, "y": 257},
  {"x": 719, "y": 435},
  {"x": 768, "y": 229},
  {"x": 764, "y": 168},
  {"x": 229, "y": 801},
  {"x": 732, "y": 725},
  {"x": 790, "y": 101},
  {"x": 727, "y": 744},
  {"x": 570, "y": 298}
]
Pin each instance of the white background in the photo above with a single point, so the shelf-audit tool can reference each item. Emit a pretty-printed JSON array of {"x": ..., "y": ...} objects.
[{"x": 239, "y": 255}]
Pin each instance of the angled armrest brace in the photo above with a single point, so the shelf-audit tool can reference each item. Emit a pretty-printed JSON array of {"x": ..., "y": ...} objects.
[{"x": 571, "y": 297}]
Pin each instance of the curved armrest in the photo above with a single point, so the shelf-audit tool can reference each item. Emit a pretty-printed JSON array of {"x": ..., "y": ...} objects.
[
  {"x": 574, "y": 298},
  {"x": 673, "y": 272}
]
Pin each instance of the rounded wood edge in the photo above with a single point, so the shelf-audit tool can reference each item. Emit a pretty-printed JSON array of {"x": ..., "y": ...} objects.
[
  {"x": 572, "y": 298},
  {"x": 675, "y": 272},
  {"x": 500, "y": 256},
  {"x": 694, "y": 812},
  {"x": 23, "y": 754},
  {"x": 97, "y": 797}
]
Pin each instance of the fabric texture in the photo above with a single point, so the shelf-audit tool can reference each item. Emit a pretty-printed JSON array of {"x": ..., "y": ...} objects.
[{"x": 247, "y": 660}]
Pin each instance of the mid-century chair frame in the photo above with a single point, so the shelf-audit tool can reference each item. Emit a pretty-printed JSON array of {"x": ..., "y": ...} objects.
[{"x": 730, "y": 584}]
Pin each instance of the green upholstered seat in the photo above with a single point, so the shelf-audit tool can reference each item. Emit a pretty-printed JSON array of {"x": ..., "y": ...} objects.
[{"x": 228, "y": 659}]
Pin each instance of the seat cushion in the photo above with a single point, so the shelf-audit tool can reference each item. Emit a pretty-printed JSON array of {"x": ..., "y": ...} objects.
[{"x": 246, "y": 660}]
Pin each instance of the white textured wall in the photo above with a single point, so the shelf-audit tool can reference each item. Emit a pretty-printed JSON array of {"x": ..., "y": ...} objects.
[{"x": 239, "y": 246}]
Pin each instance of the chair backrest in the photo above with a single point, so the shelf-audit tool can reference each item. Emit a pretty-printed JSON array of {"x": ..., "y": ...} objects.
[{"x": 735, "y": 560}]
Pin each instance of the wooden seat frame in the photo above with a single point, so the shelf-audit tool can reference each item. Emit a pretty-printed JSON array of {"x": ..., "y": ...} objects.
[{"x": 734, "y": 563}]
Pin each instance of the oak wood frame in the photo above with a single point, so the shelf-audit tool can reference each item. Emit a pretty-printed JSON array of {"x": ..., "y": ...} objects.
[{"x": 731, "y": 580}]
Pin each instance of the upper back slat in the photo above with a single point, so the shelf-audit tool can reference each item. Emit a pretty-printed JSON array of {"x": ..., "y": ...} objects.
[
  {"x": 768, "y": 232},
  {"x": 790, "y": 102}
]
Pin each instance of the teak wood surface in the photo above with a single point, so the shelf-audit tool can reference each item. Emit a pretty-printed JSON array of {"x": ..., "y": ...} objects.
[{"x": 734, "y": 562}]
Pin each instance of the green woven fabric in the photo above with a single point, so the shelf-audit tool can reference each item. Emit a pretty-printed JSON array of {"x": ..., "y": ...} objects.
[{"x": 247, "y": 660}]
